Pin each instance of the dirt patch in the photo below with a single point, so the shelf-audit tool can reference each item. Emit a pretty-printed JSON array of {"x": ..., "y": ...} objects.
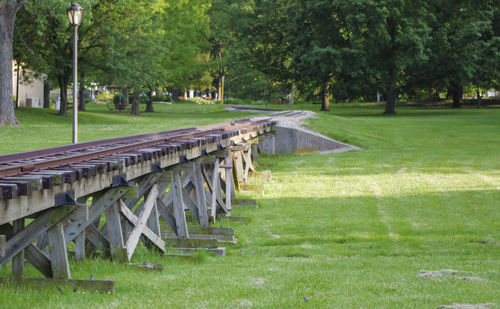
[
  {"x": 439, "y": 273},
  {"x": 258, "y": 281},
  {"x": 466, "y": 306}
]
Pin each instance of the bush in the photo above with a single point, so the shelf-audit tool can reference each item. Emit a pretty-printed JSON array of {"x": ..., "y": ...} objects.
[{"x": 162, "y": 98}]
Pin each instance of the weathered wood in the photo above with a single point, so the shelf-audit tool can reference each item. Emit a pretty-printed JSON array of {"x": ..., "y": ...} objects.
[
  {"x": 148, "y": 233},
  {"x": 241, "y": 203},
  {"x": 255, "y": 152},
  {"x": 190, "y": 204},
  {"x": 39, "y": 260},
  {"x": 3, "y": 240},
  {"x": 178, "y": 206},
  {"x": 99, "y": 205},
  {"x": 35, "y": 181},
  {"x": 201, "y": 201},
  {"x": 215, "y": 186},
  {"x": 262, "y": 175},
  {"x": 182, "y": 257},
  {"x": 252, "y": 188},
  {"x": 118, "y": 250},
  {"x": 212, "y": 230},
  {"x": 18, "y": 260},
  {"x": 91, "y": 286},
  {"x": 142, "y": 220},
  {"x": 229, "y": 181},
  {"x": 9, "y": 190},
  {"x": 190, "y": 243},
  {"x": 219, "y": 251},
  {"x": 40, "y": 225},
  {"x": 238, "y": 167},
  {"x": 58, "y": 253},
  {"x": 81, "y": 213},
  {"x": 80, "y": 247},
  {"x": 97, "y": 239},
  {"x": 167, "y": 214}
]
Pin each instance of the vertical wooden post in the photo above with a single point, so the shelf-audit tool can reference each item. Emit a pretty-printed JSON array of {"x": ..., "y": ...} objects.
[
  {"x": 178, "y": 203},
  {"x": 118, "y": 251},
  {"x": 229, "y": 180},
  {"x": 201, "y": 200},
  {"x": 80, "y": 247},
  {"x": 18, "y": 260},
  {"x": 215, "y": 188},
  {"x": 58, "y": 252}
]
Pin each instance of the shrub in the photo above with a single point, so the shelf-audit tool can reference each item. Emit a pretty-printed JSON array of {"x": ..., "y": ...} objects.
[{"x": 162, "y": 98}]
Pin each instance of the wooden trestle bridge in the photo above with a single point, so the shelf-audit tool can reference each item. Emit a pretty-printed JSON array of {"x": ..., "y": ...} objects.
[{"x": 106, "y": 195}]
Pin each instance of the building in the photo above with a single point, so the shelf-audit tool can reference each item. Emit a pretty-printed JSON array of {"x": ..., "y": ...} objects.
[{"x": 31, "y": 92}]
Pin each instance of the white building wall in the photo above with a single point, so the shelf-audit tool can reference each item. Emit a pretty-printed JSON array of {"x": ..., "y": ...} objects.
[{"x": 34, "y": 89}]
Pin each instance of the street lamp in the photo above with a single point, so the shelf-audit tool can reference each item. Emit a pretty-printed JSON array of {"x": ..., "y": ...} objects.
[{"x": 75, "y": 16}]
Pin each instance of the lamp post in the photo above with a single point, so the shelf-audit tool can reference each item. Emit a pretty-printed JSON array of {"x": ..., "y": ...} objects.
[{"x": 75, "y": 16}]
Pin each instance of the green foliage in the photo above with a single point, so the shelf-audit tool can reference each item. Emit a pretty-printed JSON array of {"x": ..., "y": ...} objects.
[
  {"x": 118, "y": 98},
  {"x": 162, "y": 98}
]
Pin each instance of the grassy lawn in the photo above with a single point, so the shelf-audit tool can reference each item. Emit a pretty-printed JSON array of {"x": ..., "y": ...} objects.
[{"x": 350, "y": 230}]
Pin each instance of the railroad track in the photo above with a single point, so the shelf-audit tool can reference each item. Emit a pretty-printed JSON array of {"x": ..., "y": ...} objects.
[{"x": 21, "y": 173}]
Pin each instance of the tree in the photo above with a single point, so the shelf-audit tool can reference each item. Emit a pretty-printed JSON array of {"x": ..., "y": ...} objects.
[{"x": 8, "y": 12}]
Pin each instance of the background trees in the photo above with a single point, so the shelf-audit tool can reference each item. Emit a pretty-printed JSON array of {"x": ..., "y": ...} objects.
[{"x": 321, "y": 49}]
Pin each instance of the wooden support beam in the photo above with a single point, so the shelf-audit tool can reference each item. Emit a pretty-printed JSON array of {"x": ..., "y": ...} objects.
[
  {"x": 3, "y": 240},
  {"x": 229, "y": 185},
  {"x": 148, "y": 233},
  {"x": 80, "y": 247},
  {"x": 178, "y": 206},
  {"x": 91, "y": 286},
  {"x": 190, "y": 243},
  {"x": 215, "y": 186},
  {"x": 238, "y": 167},
  {"x": 167, "y": 214},
  {"x": 39, "y": 260},
  {"x": 97, "y": 239},
  {"x": 141, "y": 222},
  {"x": 201, "y": 200},
  {"x": 114, "y": 228},
  {"x": 40, "y": 225},
  {"x": 18, "y": 260},
  {"x": 58, "y": 253},
  {"x": 190, "y": 204}
]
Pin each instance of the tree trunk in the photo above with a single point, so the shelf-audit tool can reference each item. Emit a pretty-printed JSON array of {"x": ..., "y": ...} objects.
[
  {"x": 8, "y": 11},
  {"x": 46, "y": 94},
  {"x": 175, "y": 95},
  {"x": 457, "y": 91},
  {"x": 326, "y": 97},
  {"x": 149, "y": 104},
  {"x": 63, "y": 107},
  {"x": 185, "y": 94},
  {"x": 478, "y": 99},
  {"x": 81, "y": 93},
  {"x": 390, "y": 103},
  {"x": 135, "y": 104},
  {"x": 292, "y": 98}
]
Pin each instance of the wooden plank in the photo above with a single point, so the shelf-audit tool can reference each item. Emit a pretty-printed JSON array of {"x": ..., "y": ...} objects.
[
  {"x": 18, "y": 260},
  {"x": 91, "y": 286},
  {"x": 214, "y": 186},
  {"x": 166, "y": 214},
  {"x": 80, "y": 247},
  {"x": 97, "y": 239},
  {"x": 190, "y": 204},
  {"x": 252, "y": 188},
  {"x": 81, "y": 213},
  {"x": 39, "y": 260},
  {"x": 229, "y": 181},
  {"x": 142, "y": 221},
  {"x": 35, "y": 181},
  {"x": 238, "y": 167},
  {"x": 190, "y": 243},
  {"x": 255, "y": 152},
  {"x": 3, "y": 240},
  {"x": 58, "y": 252},
  {"x": 201, "y": 201},
  {"x": 114, "y": 228},
  {"x": 152, "y": 236},
  {"x": 178, "y": 206},
  {"x": 245, "y": 203},
  {"x": 9, "y": 190},
  {"x": 212, "y": 230},
  {"x": 99, "y": 205}
]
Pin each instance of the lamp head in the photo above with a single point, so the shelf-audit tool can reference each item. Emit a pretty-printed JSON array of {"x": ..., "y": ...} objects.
[{"x": 75, "y": 14}]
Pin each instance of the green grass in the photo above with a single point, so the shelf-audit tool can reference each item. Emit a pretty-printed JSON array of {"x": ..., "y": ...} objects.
[{"x": 349, "y": 230}]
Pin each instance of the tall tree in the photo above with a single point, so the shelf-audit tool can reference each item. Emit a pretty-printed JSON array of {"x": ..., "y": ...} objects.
[{"x": 8, "y": 12}]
